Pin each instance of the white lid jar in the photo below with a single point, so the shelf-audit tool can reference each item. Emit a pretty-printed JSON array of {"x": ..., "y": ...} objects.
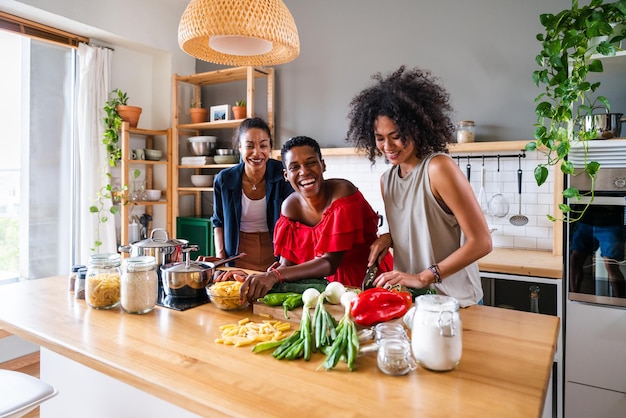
[
  {"x": 102, "y": 284},
  {"x": 436, "y": 334},
  {"x": 140, "y": 284},
  {"x": 465, "y": 131}
]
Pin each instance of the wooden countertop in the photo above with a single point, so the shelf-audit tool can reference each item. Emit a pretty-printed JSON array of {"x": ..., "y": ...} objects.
[
  {"x": 504, "y": 371},
  {"x": 523, "y": 262}
]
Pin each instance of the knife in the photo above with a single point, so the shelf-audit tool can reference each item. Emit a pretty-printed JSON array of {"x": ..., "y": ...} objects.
[{"x": 370, "y": 275}]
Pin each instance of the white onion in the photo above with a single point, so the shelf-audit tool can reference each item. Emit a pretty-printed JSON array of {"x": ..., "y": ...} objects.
[
  {"x": 333, "y": 292},
  {"x": 309, "y": 296}
]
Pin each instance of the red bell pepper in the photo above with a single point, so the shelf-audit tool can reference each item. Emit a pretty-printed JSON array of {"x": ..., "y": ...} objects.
[{"x": 379, "y": 305}]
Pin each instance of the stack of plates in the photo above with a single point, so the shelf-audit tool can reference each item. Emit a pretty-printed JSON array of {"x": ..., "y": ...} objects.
[{"x": 201, "y": 160}]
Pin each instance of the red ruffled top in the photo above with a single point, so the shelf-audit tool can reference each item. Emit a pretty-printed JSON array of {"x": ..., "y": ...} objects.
[{"x": 349, "y": 225}]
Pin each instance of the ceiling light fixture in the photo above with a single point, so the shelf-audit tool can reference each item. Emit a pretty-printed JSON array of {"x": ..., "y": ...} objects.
[{"x": 239, "y": 32}]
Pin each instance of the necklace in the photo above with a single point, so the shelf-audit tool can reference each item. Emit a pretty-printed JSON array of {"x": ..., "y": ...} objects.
[{"x": 253, "y": 184}]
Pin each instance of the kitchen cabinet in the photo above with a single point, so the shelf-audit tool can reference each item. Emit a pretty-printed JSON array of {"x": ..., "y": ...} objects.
[
  {"x": 198, "y": 231},
  {"x": 157, "y": 175},
  {"x": 182, "y": 128}
]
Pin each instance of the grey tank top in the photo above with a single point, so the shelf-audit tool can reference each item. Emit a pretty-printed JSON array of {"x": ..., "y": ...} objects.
[{"x": 424, "y": 233}]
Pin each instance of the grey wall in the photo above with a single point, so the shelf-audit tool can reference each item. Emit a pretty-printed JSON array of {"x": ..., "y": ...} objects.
[{"x": 483, "y": 51}]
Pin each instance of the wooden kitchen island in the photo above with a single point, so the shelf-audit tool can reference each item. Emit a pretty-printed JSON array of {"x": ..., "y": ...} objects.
[{"x": 171, "y": 355}]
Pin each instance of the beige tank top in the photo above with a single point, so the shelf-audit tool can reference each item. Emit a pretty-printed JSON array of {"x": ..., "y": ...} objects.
[{"x": 424, "y": 234}]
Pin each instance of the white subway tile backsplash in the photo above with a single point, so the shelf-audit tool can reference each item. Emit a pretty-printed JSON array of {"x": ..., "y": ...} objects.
[{"x": 537, "y": 202}]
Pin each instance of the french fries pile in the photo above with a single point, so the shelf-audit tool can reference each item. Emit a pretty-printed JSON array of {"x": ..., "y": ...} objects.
[{"x": 246, "y": 332}]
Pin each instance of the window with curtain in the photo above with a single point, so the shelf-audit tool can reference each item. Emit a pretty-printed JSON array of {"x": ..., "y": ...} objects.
[{"x": 37, "y": 79}]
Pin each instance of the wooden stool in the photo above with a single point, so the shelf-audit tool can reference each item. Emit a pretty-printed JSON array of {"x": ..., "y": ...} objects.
[{"x": 21, "y": 393}]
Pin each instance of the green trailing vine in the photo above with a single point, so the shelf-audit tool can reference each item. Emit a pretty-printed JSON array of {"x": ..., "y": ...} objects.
[
  {"x": 111, "y": 139},
  {"x": 566, "y": 59},
  {"x": 113, "y": 123}
]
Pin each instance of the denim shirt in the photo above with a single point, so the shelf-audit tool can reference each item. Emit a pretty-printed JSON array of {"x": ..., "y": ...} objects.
[{"x": 227, "y": 194}]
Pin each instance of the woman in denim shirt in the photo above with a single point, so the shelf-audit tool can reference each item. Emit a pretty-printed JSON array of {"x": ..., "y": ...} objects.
[{"x": 247, "y": 199}]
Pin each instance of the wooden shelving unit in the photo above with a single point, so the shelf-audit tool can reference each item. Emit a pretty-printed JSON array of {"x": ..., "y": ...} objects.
[
  {"x": 248, "y": 74},
  {"x": 128, "y": 165}
]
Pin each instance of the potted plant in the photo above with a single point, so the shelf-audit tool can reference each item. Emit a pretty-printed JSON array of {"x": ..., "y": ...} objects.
[
  {"x": 128, "y": 113},
  {"x": 115, "y": 109},
  {"x": 239, "y": 109},
  {"x": 566, "y": 59},
  {"x": 198, "y": 114}
]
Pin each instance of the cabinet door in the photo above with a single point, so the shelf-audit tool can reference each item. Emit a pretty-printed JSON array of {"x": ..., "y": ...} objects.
[
  {"x": 594, "y": 346},
  {"x": 198, "y": 231},
  {"x": 582, "y": 401}
]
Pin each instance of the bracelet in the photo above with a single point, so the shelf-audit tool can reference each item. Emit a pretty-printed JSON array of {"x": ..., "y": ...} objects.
[
  {"x": 280, "y": 276},
  {"x": 434, "y": 269}
]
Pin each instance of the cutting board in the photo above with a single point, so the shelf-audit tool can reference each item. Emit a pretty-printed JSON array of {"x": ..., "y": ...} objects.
[{"x": 277, "y": 312}]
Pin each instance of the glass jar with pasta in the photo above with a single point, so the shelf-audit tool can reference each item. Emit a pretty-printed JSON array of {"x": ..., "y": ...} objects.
[{"x": 102, "y": 284}]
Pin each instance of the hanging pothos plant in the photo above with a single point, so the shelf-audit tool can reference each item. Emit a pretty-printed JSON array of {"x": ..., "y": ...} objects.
[
  {"x": 566, "y": 59},
  {"x": 113, "y": 123},
  {"x": 108, "y": 192}
]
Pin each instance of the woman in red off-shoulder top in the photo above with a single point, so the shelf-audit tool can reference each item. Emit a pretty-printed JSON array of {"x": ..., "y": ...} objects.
[{"x": 325, "y": 228}]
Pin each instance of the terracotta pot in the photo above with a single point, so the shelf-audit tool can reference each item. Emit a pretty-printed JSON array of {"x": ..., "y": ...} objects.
[
  {"x": 198, "y": 114},
  {"x": 129, "y": 114},
  {"x": 239, "y": 112}
]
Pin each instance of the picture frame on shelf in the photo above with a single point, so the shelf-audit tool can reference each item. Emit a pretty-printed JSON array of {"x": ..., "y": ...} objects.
[{"x": 220, "y": 112}]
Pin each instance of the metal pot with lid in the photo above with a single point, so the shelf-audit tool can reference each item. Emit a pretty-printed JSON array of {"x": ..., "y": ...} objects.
[
  {"x": 605, "y": 124},
  {"x": 159, "y": 246},
  {"x": 190, "y": 278}
]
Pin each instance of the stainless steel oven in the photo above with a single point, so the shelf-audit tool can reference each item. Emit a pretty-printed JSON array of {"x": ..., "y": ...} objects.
[{"x": 596, "y": 243}]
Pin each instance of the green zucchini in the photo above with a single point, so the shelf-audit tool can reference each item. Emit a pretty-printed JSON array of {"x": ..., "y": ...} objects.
[{"x": 300, "y": 286}]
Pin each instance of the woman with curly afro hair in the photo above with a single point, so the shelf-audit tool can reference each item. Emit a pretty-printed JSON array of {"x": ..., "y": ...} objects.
[{"x": 434, "y": 218}]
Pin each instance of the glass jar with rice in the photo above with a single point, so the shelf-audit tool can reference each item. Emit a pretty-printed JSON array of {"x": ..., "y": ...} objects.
[
  {"x": 140, "y": 284},
  {"x": 102, "y": 284}
]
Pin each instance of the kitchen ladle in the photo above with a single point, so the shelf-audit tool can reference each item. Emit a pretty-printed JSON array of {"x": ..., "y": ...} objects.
[
  {"x": 482, "y": 197},
  {"x": 498, "y": 205},
  {"x": 519, "y": 219}
]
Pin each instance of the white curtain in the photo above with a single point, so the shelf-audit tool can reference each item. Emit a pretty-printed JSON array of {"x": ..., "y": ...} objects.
[{"x": 94, "y": 73}]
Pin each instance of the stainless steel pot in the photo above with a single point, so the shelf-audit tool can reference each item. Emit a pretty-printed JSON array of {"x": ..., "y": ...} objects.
[
  {"x": 189, "y": 279},
  {"x": 159, "y": 246},
  {"x": 606, "y": 125}
]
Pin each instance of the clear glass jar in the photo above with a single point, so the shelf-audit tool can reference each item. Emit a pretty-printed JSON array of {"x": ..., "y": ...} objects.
[
  {"x": 465, "y": 131},
  {"x": 394, "y": 356},
  {"x": 436, "y": 334},
  {"x": 102, "y": 285},
  {"x": 71, "y": 280},
  {"x": 79, "y": 284},
  {"x": 140, "y": 284},
  {"x": 390, "y": 330}
]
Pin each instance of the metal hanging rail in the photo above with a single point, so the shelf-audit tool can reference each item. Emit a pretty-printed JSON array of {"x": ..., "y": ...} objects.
[{"x": 484, "y": 157}]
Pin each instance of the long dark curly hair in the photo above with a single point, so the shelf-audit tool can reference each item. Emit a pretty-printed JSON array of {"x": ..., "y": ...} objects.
[{"x": 414, "y": 100}]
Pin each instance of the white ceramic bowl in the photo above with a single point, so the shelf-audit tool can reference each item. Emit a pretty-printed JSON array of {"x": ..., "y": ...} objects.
[
  {"x": 202, "y": 180},
  {"x": 153, "y": 154},
  {"x": 153, "y": 195}
]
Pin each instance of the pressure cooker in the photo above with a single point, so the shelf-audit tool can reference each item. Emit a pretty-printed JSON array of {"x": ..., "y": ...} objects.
[{"x": 159, "y": 246}]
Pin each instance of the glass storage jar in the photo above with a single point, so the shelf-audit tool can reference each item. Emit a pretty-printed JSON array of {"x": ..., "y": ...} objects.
[
  {"x": 102, "y": 284},
  {"x": 71, "y": 280},
  {"x": 465, "y": 131},
  {"x": 394, "y": 356},
  {"x": 140, "y": 284},
  {"x": 436, "y": 332}
]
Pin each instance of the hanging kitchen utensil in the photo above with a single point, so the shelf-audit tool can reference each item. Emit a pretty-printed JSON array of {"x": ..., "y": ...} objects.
[
  {"x": 519, "y": 219},
  {"x": 498, "y": 205},
  {"x": 482, "y": 197},
  {"x": 469, "y": 168}
]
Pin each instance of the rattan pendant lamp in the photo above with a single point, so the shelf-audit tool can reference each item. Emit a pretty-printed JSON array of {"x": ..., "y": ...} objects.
[{"x": 239, "y": 32}]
